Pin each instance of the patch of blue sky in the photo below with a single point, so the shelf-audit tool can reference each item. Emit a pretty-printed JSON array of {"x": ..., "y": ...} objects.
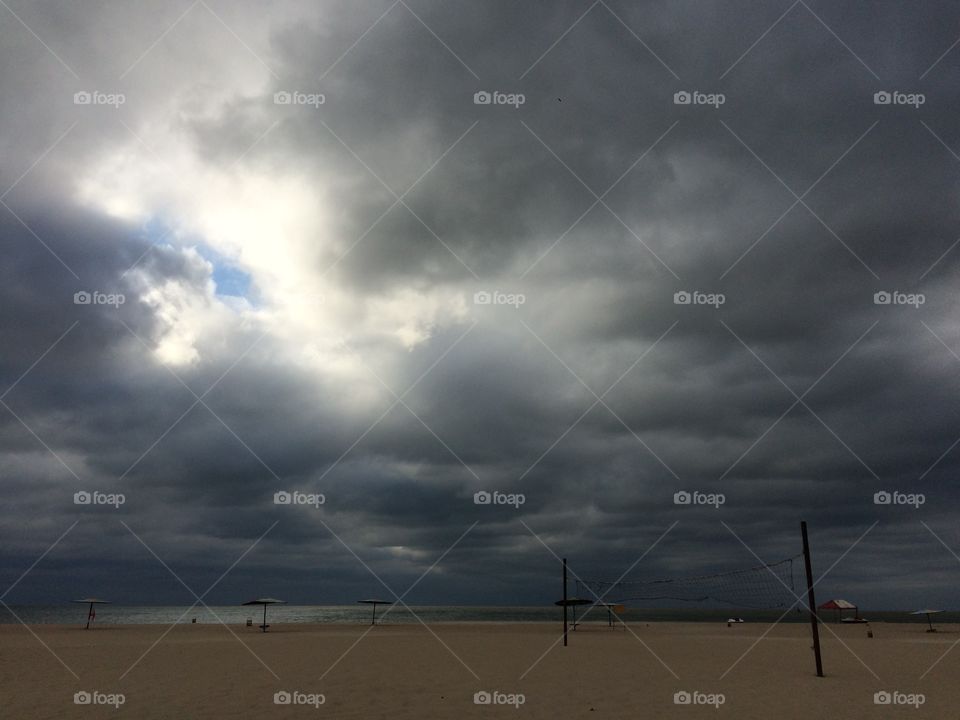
[{"x": 230, "y": 280}]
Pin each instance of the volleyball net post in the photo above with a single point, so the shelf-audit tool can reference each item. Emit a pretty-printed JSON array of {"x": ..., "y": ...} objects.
[{"x": 811, "y": 602}]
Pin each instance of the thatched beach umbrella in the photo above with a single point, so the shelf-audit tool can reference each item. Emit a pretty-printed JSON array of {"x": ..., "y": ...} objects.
[
  {"x": 572, "y": 603},
  {"x": 928, "y": 613},
  {"x": 374, "y": 602},
  {"x": 91, "y": 615},
  {"x": 265, "y": 602}
]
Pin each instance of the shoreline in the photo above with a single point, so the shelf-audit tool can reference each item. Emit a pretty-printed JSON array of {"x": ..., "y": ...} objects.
[
  {"x": 942, "y": 627},
  {"x": 279, "y": 625}
]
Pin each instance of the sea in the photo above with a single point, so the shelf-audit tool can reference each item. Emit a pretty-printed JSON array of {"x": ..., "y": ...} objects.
[{"x": 66, "y": 614}]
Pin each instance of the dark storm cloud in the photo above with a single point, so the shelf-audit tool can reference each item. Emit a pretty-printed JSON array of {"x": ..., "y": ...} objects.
[{"x": 496, "y": 410}]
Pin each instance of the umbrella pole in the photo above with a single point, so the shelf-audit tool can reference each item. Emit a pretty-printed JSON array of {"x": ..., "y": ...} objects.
[
  {"x": 373, "y": 618},
  {"x": 930, "y": 623},
  {"x": 564, "y": 602},
  {"x": 264, "y": 628},
  {"x": 89, "y": 612}
]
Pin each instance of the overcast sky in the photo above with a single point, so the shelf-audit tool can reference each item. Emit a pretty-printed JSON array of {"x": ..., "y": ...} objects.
[{"x": 304, "y": 289}]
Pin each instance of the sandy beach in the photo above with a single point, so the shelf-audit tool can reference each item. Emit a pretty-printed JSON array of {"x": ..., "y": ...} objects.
[{"x": 410, "y": 671}]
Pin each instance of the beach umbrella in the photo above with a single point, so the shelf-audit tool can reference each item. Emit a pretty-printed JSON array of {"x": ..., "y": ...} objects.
[
  {"x": 91, "y": 602},
  {"x": 612, "y": 609},
  {"x": 928, "y": 613},
  {"x": 265, "y": 602},
  {"x": 374, "y": 602},
  {"x": 572, "y": 603}
]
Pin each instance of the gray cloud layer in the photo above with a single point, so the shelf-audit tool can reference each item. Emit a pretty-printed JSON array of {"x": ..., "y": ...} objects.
[{"x": 709, "y": 404}]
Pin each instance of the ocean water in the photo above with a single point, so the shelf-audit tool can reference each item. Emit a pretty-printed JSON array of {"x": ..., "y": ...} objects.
[{"x": 360, "y": 614}]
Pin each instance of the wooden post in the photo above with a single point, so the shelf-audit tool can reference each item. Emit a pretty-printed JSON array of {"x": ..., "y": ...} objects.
[
  {"x": 373, "y": 620},
  {"x": 564, "y": 602},
  {"x": 811, "y": 602},
  {"x": 264, "y": 628}
]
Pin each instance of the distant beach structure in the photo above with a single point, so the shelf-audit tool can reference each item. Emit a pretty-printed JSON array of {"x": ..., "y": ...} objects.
[{"x": 840, "y": 605}]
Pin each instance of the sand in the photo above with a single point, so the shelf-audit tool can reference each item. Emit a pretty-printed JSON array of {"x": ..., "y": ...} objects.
[{"x": 410, "y": 671}]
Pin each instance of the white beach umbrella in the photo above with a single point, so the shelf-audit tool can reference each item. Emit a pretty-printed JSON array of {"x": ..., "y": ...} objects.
[{"x": 928, "y": 613}]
